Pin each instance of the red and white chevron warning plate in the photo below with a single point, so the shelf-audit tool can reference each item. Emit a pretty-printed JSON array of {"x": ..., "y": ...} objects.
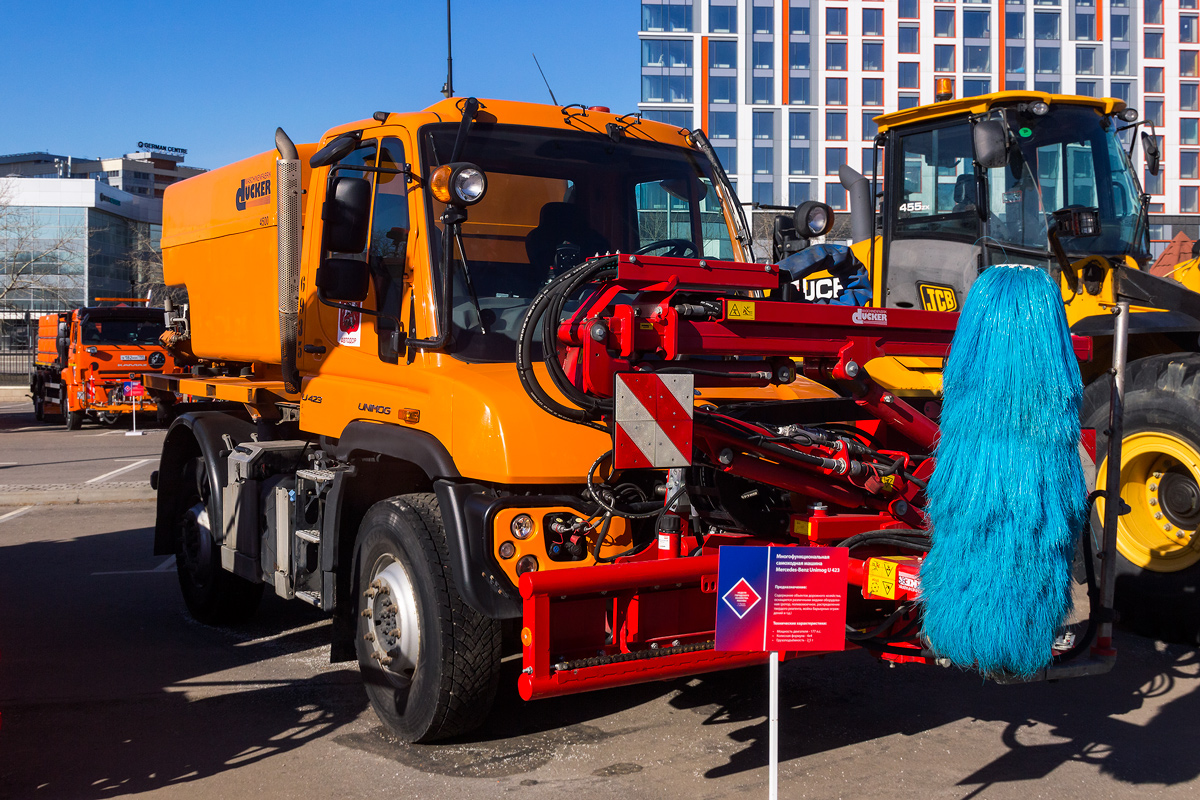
[{"x": 653, "y": 420}]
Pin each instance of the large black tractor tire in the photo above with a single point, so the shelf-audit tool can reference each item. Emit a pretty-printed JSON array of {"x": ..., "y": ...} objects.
[
  {"x": 429, "y": 661},
  {"x": 1158, "y": 558},
  {"x": 73, "y": 419},
  {"x": 212, "y": 595}
]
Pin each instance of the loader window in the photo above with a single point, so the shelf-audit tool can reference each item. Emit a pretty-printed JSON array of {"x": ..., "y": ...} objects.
[
  {"x": 938, "y": 196},
  {"x": 1065, "y": 158}
]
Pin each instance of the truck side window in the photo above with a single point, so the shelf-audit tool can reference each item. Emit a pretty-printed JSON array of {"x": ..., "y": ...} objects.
[
  {"x": 389, "y": 239},
  {"x": 363, "y": 155}
]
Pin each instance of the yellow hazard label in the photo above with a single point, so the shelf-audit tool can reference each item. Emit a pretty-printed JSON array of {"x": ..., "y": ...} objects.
[
  {"x": 646, "y": 326},
  {"x": 739, "y": 309},
  {"x": 938, "y": 298},
  {"x": 889, "y": 483},
  {"x": 881, "y": 578}
]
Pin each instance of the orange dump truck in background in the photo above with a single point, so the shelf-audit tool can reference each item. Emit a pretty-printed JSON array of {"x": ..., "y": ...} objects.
[{"x": 90, "y": 362}]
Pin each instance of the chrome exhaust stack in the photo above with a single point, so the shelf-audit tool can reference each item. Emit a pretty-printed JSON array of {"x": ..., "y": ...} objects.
[{"x": 288, "y": 191}]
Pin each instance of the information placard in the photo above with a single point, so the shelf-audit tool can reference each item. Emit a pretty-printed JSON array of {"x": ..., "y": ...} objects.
[{"x": 781, "y": 598}]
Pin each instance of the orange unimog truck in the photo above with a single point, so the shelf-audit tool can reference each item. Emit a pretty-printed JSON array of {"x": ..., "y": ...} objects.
[
  {"x": 366, "y": 445},
  {"x": 90, "y": 362}
]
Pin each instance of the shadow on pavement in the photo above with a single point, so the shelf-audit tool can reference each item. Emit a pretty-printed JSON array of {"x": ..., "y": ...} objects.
[
  {"x": 107, "y": 688},
  {"x": 849, "y": 699}
]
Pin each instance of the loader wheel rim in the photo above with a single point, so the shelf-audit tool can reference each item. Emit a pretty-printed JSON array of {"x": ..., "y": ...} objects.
[
  {"x": 393, "y": 621},
  {"x": 1160, "y": 480}
]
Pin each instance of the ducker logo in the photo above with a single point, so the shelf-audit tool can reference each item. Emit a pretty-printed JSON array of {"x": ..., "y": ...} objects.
[
  {"x": 869, "y": 316},
  {"x": 254, "y": 191}
]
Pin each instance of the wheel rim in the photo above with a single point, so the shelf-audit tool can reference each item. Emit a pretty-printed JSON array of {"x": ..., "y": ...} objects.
[
  {"x": 1160, "y": 480},
  {"x": 196, "y": 550},
  {"x": 393, "y": 624}
]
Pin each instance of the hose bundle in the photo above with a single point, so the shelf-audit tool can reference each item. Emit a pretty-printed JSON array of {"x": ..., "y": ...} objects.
[
  {"x": 547, "y": 307},
  {"x": 1007, "y": 498}
]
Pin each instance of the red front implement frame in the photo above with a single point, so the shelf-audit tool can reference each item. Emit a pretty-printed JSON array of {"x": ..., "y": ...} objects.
[{"x": 848, "y": 472}]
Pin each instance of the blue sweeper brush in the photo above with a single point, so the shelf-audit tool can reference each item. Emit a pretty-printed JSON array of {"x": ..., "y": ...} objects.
[{"x": 1007, "y": 499}]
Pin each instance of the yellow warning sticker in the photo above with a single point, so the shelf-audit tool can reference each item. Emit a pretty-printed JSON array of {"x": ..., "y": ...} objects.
[
  {"x": 881, "y": 578},
  {"x": 739, "y": 309},
  {"x": 889, "y": 483},
  {"x": 646, "y": 326}
]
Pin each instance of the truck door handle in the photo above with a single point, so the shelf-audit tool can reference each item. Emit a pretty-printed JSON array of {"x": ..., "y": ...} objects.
[{"x": 314, "y": 348}]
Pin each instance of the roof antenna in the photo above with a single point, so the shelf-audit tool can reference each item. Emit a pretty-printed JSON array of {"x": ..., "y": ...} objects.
[{"x": 553, "y": 99}]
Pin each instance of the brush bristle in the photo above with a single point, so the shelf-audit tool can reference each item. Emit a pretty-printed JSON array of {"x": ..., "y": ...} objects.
[{"x": 1007, "y": 499}]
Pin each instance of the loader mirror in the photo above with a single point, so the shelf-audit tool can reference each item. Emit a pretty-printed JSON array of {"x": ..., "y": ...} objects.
[
  {"x": 991, "y": 144},
  {"x": 1150, "y": 150},
  {"x": 336, "y": 150},
  {"x": 347, "y": 214},
  {"x": 343, "y": 280}
]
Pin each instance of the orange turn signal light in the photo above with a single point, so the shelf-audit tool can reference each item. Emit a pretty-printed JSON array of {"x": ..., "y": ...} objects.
[{"x": 439, "y": 183}]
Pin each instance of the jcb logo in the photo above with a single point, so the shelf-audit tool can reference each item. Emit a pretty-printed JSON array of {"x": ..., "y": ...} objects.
[{"x": 937, "y": 298}]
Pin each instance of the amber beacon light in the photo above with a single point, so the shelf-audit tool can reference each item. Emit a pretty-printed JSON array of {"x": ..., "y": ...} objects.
[{"x": 943, "y": 90}]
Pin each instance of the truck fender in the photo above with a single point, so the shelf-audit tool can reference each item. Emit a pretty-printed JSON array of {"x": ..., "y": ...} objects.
[
  {"x": 464, "y": 530},
  {"x": 403, "y": 444},
  {"x": 191, "y": 434}
]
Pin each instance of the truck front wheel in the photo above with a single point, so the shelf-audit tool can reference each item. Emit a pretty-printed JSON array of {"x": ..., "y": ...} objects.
[
  {"x": 213, "y": 596},
  {"x": 429, "y": 661},
  {"x": 73, "y": 419},
  {"x": 1158, "y": 542}
]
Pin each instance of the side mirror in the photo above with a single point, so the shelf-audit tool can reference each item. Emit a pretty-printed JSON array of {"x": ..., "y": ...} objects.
[
  {"x": 343, "y": 280},
  {"x": 347, "y": 215},
  {"x": 812, "y": 219},
  {"x": 336, "y": 150},
  {"x": 1151, "y": 151},
  {"x": 991, "y": 144}
]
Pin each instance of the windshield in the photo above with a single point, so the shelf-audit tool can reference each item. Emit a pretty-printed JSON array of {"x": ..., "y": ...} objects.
[
  {"x": 1068, "y": 157},
  {"x": 122, "y": 331},
  {"x": 555, "y": 198}
]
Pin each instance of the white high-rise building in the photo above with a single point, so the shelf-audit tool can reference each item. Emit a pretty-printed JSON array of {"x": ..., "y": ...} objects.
[{"x": 786, "y": 89}]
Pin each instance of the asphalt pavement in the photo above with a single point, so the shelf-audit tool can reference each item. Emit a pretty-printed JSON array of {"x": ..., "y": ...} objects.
[{"x": 109, "y": 689}]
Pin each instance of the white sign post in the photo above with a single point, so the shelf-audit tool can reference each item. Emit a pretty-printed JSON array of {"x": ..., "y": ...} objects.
[
  {"x": 773, "y": 731},
  {"x": 136, "y": 390}
]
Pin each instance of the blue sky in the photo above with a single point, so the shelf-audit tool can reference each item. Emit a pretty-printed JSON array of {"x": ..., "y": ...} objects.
[{"x": 94, "y": 78}]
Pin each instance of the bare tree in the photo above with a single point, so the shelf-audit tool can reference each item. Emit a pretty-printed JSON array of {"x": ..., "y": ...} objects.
[
  {"x": 144, "y": 260},
  {"x": 41, "y": 262}
]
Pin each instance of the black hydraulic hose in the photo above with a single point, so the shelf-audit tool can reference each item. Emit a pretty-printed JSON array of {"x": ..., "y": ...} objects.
[
  {"x": 524, "y": 359},
  {"x": 595, "y": 269},
  {"x": 887, "y": 536},
  {"x": 854, "y": 635}
]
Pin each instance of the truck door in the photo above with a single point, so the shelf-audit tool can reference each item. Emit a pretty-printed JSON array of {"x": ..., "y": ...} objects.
[
  {"x": 931, "y": 219},
  {"x": 386, "y": 255}
]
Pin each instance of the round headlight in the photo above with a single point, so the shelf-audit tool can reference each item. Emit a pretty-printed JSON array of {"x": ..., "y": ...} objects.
[
  {"x": 812, "y": 218},
  {"x": 527, "y": 564},
  {"x": 1039, "y": 107},
  {"x": 459, "y": 184},
  {"x": 522, "y": 526},
  {"x": 469, "y": 185},
  {"x": 157, "y": 359},
  {"x": 817, "y": 220},
  {"x": 507, "y": 550},
  {"x": 1127, "y": 115}
]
